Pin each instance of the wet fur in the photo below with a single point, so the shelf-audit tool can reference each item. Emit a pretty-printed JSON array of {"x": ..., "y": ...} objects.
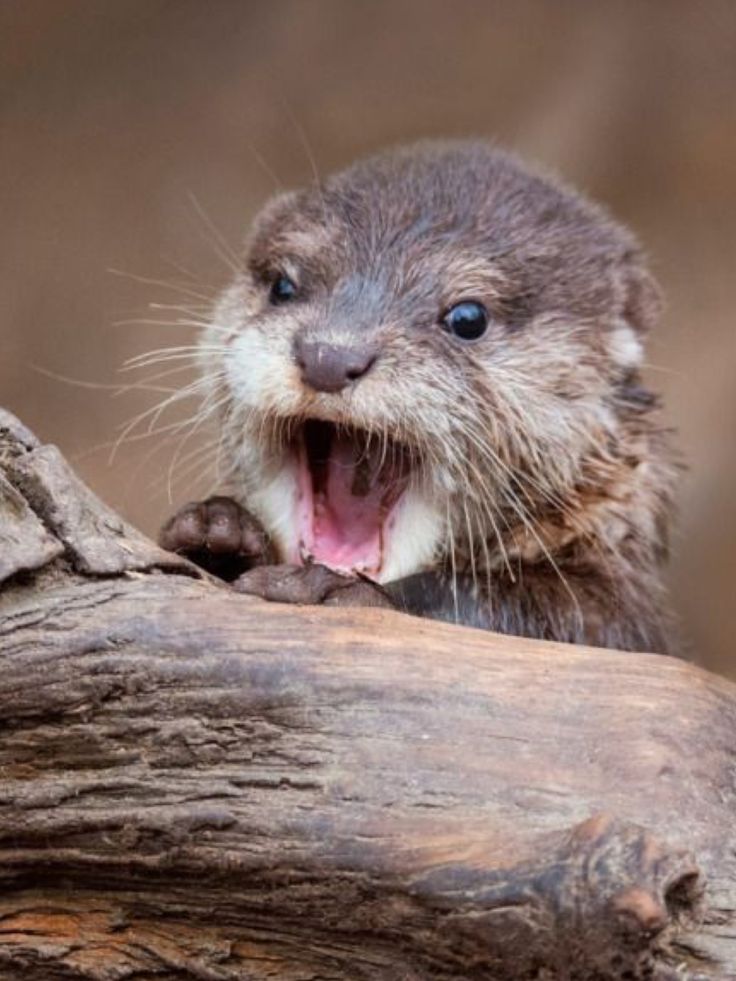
[{"x": 543, "y": 504}]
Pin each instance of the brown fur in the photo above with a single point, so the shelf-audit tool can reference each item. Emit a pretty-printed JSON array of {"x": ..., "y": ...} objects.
[{"x": 538, "y": 441}]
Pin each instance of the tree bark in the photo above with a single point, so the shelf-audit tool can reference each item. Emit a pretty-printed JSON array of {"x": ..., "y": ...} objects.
[{"x": 196, "y": 784}]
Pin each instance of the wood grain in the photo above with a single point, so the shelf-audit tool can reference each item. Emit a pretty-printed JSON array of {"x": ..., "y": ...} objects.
[{"x": 198, "y": 784}]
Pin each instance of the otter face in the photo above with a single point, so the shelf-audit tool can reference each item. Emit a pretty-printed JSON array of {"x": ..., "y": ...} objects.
[{"x": 421, "y": 356}]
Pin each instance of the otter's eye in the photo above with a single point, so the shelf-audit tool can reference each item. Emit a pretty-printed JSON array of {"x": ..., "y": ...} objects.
[
  {"x": 467, "y": 320},
  {"x": 283, "y": 289}
]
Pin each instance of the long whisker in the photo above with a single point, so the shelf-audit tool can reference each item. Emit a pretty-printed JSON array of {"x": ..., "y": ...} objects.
[
  {"x": 471, "y": 544},
  {"x": 528, "y": 522},
  {"x": 116, "y": 390},
  {"x": 217, "y": 240},
  {"x": 453, "y": 564},
  {"x": 191, "y": 276},
  {"x": 178, "y": 349},
  {"x": 205, "y": 413},
  {"x": 266, "y": 167},
  {"x": 164, "y": 284},
  {"x": 153, "y": 414}
]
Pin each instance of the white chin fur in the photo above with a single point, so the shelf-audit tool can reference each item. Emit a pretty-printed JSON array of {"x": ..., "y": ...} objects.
[
  {"x": 414, "y": 538},
  {"x": 274, "y": 501}
]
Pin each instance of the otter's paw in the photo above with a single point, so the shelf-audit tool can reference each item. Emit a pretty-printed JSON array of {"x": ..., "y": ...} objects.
[
  {"x": 219, "y": 535},
  {"x": 311, "y": 585}
]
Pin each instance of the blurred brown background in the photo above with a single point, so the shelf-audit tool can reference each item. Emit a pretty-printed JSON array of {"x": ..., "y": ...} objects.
[{"x": 112, "y": 113}]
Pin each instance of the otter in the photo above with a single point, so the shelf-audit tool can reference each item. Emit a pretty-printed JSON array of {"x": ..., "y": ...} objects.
[{"x": 429, "y": 391}]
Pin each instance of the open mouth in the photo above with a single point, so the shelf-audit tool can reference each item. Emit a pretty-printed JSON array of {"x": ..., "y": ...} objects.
[{"x": 350, "y": 487}]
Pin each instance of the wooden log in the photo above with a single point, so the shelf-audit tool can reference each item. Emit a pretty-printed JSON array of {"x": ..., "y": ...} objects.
[{"x": 196, "y": 784}]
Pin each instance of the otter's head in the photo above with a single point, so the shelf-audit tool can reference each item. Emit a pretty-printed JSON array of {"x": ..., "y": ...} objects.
[{"x": 420, "y": 354}]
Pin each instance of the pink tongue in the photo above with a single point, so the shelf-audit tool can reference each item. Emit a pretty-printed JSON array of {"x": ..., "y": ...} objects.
[{"x": 346, "y": 531}]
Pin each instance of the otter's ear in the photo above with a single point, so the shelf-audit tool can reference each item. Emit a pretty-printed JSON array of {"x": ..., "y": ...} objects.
[{"x": 641, "y": 296}]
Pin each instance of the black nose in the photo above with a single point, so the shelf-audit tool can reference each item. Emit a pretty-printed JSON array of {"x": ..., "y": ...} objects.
[{"x": 331, "y": 367}]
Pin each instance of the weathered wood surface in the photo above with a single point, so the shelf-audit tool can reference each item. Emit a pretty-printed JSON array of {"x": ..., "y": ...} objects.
[{"x": 199, "y": 785}]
